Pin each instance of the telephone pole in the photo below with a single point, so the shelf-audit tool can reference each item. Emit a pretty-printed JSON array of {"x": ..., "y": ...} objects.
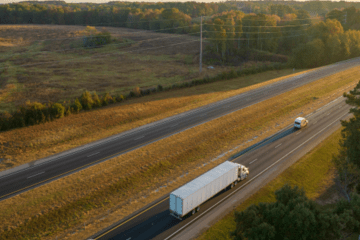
[{"x": 200, "y": 68}]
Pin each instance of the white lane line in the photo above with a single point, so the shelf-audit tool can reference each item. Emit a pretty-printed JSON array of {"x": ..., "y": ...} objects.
[
  {"x": 35, "y": 175},
  {"x": 175, "y": 125},
  {"x": 278, "y": 145},
  {"x": 93, "y": 154},
  {"x": 139, "y": 138},
  {"x": 250, "y": 180},
  {"x": 253, "y": 161},
  {"x": 298, "y": 132}
]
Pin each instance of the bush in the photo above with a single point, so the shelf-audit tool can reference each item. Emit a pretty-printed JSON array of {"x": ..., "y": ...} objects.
[
  {"x": 86, "y": 100},
  {"x": 76, "y": 106},
  {"x": 137, "y": 91},
  {"x": 120, "y": 98},
  {"x": 159, "y": 88},
  {"x": 97, "y": 102},
  {"x": 107, "y": 99},
  {"x": 57, "y": 110}
]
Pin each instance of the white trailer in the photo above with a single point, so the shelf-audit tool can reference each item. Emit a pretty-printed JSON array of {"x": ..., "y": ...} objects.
[{"x": 189, "y": 197}]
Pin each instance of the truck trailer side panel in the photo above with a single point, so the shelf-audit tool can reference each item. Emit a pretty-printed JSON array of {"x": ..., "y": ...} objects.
[{"x": 184, "y": 199}]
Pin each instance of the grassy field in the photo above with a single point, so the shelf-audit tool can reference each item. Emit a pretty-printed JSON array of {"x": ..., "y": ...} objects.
[
  {"x": 47, "y": 63},
  {"x": 47, "y": 139},
  {"x": 319, "y": 185},
  {"x": 79, "y": 205}
]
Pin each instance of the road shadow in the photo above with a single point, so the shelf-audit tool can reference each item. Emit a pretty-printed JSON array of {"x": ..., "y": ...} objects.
[{"x": 265, "y": 142}]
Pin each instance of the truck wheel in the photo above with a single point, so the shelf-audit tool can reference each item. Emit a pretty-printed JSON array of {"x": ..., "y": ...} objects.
[
  {"x": 193, "y": 212},
  {"x": 235, "y": 182},
  {"x": 232, "y": 185},
  {"x": 198, "y": 209}
]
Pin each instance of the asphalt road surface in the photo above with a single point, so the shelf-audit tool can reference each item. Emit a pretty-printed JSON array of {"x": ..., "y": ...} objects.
[
  {"x": 155, "y": 221},
  {"x": 61, "y": 165}
]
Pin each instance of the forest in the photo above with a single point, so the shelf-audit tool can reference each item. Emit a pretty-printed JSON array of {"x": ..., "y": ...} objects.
[{"x": 328, "y": 31}]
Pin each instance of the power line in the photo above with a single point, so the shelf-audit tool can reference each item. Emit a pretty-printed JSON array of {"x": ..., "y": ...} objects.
[
  {"x": 264, "y": 26},
  {"x": 225, "y": 39},
  {"x": 262, "y": 32}
]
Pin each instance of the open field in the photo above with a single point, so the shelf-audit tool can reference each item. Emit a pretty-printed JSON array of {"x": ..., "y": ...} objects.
[
  {"x": 319, "y": 185},
  {"x": 47, "y": 63},
  {"x": 79, "y": 205},
  {"x": 53, "y": 137}
]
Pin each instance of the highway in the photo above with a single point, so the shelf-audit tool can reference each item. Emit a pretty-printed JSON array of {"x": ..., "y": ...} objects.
[
  {"x": 41, "y": 172},
  {"x": 264, "y": 162}
]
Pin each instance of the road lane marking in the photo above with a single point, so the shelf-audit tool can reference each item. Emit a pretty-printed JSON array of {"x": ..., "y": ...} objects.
[
  {"x": 131, "y": 218},
  {"x": 35, "y": 175},
  {"x": 252, "y": 161},
  {"x": 175, "y": 125},
  {"x": 328, "y": 114},
  {"x": 278, "y": 145},
  {"x": 250, "y": 180},
  {"x": 298, "y": 133},
  {"x": 138, "y": 138},
  {"x": 93, "y": 154}
]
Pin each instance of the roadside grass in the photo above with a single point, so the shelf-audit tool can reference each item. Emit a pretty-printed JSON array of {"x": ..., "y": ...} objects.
[
  {"x": 35, "y": 142},
  {"x": 79, "y": 205},
  {"x": 315, "y": 165}
]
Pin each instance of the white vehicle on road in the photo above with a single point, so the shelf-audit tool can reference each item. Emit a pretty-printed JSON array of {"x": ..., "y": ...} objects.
[
  {"x": 188, "y": 198},
  {"x": 300, "y": 122}
]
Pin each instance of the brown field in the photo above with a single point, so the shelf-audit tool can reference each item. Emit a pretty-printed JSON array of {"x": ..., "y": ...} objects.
[
  {"x": 79, "y": 205},
  {"x": 47, "y": 63}
]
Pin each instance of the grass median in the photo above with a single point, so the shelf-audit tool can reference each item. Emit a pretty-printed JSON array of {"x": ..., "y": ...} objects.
[
  {"x": 315, "y": 165},
  {"x": 81, "y": 204}
]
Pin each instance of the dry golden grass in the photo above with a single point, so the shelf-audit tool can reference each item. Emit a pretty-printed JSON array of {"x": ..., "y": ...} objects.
[
  {"x": 47, "y": 139},
  {"x": 65, "y": 204}
]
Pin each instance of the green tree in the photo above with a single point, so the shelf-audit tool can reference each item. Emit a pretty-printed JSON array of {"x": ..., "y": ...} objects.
[
  {"x": 86, "y": 100},
  {"x": 57, "y": 110},
  {"x": 293, "y": 216},
  {"x": 76, "y": 106},
  {"x": 351, "y": 131},
  {"x": 97, "y": 102}
]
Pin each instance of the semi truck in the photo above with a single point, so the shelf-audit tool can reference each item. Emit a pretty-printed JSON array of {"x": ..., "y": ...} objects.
[{"x": 188, "y": 198}]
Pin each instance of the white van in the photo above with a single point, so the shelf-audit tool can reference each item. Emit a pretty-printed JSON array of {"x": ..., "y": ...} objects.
[{"x": 300, "y": 122}]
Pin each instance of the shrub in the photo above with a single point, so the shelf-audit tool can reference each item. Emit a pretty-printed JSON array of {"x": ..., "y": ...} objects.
[
  {"x": 97, "y": 102},
  {"x": 68, "y": 111},
  {"x": 159, "y": 88},
  {"x": 120, "y": 98},
  {"x": 86, "y": 100},
  {"x": 131, "y": 94},
  {"x": 107, "y": 99},
  {"x": 76, "y": 106},
  {"x": 137, "y": 91},
  {"x": 57, "y": 110}
]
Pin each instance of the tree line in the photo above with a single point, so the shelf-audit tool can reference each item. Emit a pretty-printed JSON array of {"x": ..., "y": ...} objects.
[{"x": 294, "y": 216}]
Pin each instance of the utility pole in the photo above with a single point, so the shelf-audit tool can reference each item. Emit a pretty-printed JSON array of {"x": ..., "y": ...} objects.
[
  {"x": 345, "y": 16},
  {"x": 200, "y": 45}
]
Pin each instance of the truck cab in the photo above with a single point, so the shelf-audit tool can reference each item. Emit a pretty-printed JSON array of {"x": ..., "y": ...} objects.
[
  {"x": 243, "y": 172},
  {"x": 300, "y": 122}
]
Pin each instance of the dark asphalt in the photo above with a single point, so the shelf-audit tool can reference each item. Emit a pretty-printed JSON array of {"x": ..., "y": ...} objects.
[
  {"x": 155, "y": 222},
  {"x": 36, "y": 175}
]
